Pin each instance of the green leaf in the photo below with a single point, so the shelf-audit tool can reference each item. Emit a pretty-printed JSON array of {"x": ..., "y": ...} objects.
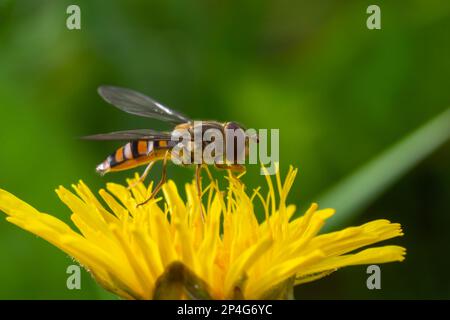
[
  {"x": 238, "y": 288},
  {"x": 358, "y": 190},
  {"x": 178, "y": 282},
  {"x": 282, "y": 291}
]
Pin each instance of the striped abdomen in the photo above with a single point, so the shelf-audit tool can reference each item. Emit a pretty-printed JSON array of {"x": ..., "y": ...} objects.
[{"x": 133, "y": 154}]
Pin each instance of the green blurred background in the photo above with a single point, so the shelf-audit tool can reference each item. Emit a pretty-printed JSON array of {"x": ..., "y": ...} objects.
[{"x": 339, "y": 93}]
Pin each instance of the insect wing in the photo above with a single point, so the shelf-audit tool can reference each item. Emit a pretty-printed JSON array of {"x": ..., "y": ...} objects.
[
  {"x": 138, "y": 104},
  {"x": 129, "y": 135}
]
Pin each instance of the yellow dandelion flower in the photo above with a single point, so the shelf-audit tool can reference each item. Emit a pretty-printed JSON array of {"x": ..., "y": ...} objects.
[{"x": 169, "y": 252}]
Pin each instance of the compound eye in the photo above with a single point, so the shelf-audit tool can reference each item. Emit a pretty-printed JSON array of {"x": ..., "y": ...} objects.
[{"x": 233, "y": 126}]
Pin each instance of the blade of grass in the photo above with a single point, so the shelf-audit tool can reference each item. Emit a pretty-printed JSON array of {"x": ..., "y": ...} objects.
[{"x": 355, "y": 192}]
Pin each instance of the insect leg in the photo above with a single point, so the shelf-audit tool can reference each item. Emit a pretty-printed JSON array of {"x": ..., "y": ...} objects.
[
  {"x": 143, "y": 176},
  {"x": 160, "y": 183},
  {"x": 198, "y": 180}
]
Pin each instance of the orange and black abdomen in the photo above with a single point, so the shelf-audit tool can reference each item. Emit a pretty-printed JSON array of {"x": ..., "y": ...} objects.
[{"x": 133, "y": 154}]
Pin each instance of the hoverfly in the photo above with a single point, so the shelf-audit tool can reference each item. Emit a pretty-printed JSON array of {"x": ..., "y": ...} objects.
[{"x": 147, "y": 146}]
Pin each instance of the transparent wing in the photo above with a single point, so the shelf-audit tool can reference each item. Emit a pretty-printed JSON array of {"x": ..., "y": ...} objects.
[
  {"x": 138, "y": 104},
  {"x": 138, "y": 134}
]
